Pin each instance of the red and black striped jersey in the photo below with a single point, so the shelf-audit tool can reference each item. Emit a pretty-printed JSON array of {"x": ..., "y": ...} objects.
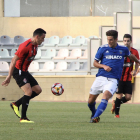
[
  {"x": 128, "y": 66},
  {"x": 26, "y": 53}
]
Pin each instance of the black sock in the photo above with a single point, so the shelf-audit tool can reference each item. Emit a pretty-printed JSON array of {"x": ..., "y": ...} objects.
[
  {"x": 117, "y": 106},
  {"x": 123, "y": 100},
  {"x": 19, "y": 102},
  {"x": 34, "y": 94},
  {"x": 25, "y": 103}
]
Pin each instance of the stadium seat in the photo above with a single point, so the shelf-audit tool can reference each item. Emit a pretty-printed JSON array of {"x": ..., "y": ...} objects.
[
  {"x": 5, "y": 40},
  {"x": 74, "y": 66},
  {"x": 53, "y": 41},
  {"x": 75, "y": 54},
  {"x": 4, "y": 53},
  {"x": 4, "y": 66},
  {"x": 18, "y": 40},
  {"x": 38, "y": 55},
  {"x": 13, "y": 51},
  {"x": 48, "y": 66},
  {"x": 84, "y": 55},
  {"x": 79, "y": 41},
  {"x": 34, "y": 67},
  {"x": 66, "y": 41},
  {"x": 62, "y": 54},
  {"x": 49, "y": 54},
  {"x": 84, "y": 66},
  {"x": 93, "y": 37},
  {"x": 60, "y": 66}
]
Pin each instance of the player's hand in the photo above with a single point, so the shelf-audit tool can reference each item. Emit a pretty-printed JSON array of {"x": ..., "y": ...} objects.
[
  {"x": 6, "y": 81},
  {"x": 134, "y": 73},
  {"x": 107, "y": 68}
]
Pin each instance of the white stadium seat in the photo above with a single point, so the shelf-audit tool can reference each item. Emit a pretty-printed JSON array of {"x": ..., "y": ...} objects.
[
  {"x": 49, "y": 53},
  {"x": 85, "y": 55},
  {"x": 75, "y": 54},
  {"x": 18, "y": 40},
  {"x": 53, "y": 41},
  {"x": 66, "y": 41},
  {"x": 74, "y": 66},
  {"x": 13, "y": 51},
  {"x": 62, "y": 54},
  {"x": 48, "y": 66},
  {"x": 84, "y": 66},
  {"x": 4, "y": 66},
  {"x": 38, "y": 55},
  {"x": 34, "y": 67},
  {"x": 4, "y": 53},
  {"x": 5, "y": 40},
  {"x": 79, "y": 41},
  {"x": 60, "y": 66}
]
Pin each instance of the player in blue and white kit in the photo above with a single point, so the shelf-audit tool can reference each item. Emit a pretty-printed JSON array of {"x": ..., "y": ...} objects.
[{"x": 111, "y": 57}]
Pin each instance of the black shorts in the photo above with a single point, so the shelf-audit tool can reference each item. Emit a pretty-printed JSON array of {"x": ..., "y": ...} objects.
[
  {"x": 23, "y": 78},
  {"x": 124, "y": 87}
]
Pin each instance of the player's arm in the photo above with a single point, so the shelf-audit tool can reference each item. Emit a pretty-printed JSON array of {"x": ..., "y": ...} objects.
[
  {"x": 11, "y": 69},
  {"x": 134, "y": 58},
  {"x": 98, "y": 65}
]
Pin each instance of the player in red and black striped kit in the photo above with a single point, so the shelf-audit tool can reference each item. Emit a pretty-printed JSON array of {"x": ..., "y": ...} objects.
[
  {"x": 125, "y": 85},
  {"x": 19, "y": 69}
]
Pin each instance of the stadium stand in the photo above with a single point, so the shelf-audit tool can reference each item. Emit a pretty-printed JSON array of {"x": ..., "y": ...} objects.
[
  {"x": 4, "y": 66},
  {"x": 4, "y": 53},
  {"x": 60, "y": 66},
  {"x": 74, "y": 66},
  {"x": 38, "y": 55},
  {"x": 84, "y": 55},
  {"x": 13, "y": 51},
  {"x": 18, "y": 40},
  {"x": 49, "y": 53}
]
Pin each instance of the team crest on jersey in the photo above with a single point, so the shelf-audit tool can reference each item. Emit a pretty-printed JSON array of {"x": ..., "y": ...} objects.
[
  {"x": 25, "y": 80},
  {"x": 120, "y": 51},
  {"x": 107, "y": 51}
]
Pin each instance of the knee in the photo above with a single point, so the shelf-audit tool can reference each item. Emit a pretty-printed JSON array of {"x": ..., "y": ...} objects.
[
  {"x": 128, "y": 98},
  {"x": 39, "y": 90}
]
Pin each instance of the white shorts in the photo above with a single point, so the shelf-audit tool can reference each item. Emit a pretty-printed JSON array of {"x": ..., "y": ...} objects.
[{"x": 101, "y": 84}]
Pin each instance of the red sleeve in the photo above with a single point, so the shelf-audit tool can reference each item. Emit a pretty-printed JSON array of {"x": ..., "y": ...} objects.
[
  {"x": 137, "y": 54},
  {"x": 22, "y": 50}
]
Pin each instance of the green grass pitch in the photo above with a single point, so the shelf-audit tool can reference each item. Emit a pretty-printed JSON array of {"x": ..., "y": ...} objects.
[{"x": 69, "y": 121}]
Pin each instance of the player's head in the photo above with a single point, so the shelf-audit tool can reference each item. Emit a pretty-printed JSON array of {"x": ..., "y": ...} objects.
[
  {"x": 112, "y": 38},
  {"x": 127, "y": 40},
  {"x": 39, "y": 35}
]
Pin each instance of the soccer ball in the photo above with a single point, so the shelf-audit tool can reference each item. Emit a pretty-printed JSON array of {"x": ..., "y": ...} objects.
[{"x": 57, "y": 89}]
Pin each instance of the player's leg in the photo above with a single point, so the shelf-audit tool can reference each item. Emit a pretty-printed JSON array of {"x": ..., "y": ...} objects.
[
  {"x": 109, "y": 89},
  {"x": 25, "y": 102},
  {"x": 118, "y": 104},
  {"x": 36, "y": 89},
  {"x": 92, "y": 103},
  {"x": 94, "y": 92},
  {"x": 126, "y": 88}
]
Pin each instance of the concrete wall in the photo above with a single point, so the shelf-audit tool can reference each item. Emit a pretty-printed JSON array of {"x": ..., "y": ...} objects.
[{"x": 76, "y": 88}]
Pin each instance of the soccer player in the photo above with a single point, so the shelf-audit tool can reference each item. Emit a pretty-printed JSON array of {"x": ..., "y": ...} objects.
[
  {"x": 19, "y": 69},
  {"x": 125, "y": 86},
  {"x": 109, "y": 59}
]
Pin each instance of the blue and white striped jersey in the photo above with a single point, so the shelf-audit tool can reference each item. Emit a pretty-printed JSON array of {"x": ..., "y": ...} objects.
[{"x": 112, "y": 57}]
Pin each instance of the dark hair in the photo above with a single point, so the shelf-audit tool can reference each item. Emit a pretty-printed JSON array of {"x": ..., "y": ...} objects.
[
  {"x": 39, "y": 32},
  {"x": 113, "y": 33},
  {"x": 127, "y": 36}
]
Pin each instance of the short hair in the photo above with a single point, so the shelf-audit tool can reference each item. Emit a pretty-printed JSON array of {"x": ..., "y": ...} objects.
[
  {"x": 127, "y": 36},
  {"x": 39, "y": 32},
  {"x": 113, "y": 33}
]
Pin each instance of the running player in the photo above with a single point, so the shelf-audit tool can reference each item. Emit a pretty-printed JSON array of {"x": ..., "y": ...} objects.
[
  {"x": 125, "y": 86},
  {"x": 111, "y": 58},
  {"x": 19, "y": 69}
]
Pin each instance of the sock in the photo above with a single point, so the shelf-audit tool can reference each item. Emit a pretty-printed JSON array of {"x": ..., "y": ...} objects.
[
  {"x": 117, "y": 106},
  {"x": 25, "y": 103},
  {"x": 92, "y": 108},
  {"x": 34, "y": 94},
  {"x": 101, "y": 108},
  {"x": 123, "y": 100},
  {"x": 19, "y": 102}
]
